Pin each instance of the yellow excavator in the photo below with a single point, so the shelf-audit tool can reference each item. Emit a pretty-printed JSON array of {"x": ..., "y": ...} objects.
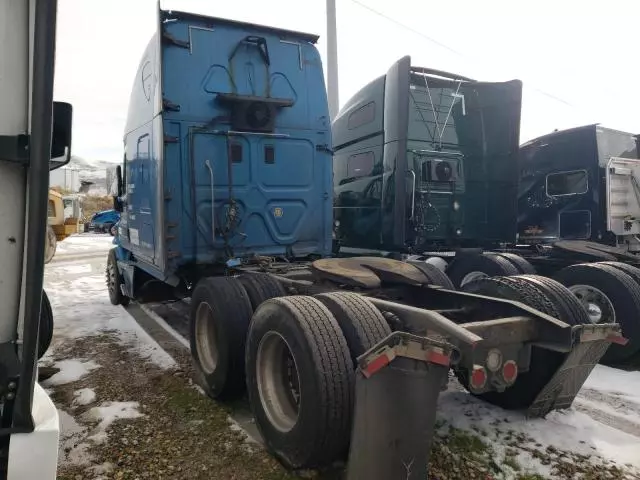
[{"x": 58, "y": 227}]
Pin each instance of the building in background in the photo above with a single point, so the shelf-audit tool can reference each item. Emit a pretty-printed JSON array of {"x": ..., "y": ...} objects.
[{"x": 66, "y": 178}]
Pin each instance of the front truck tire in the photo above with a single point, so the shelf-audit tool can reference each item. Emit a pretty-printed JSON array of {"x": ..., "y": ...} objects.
[
  {"x": 611, "y": 295},
  {"x": 300, "y": 381},
  {"x": 547, "y": 297},
  {"x": 219, "y": 320},
  {"x": 115, "y": 280},
  {"x": 45, "y": 330}
]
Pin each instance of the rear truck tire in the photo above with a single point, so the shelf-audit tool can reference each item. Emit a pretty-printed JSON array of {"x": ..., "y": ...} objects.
[
  {"x": 570, "y": 309},
  {"x": 219, "y": 319},
  {"x": 470, "y": 267},
  {"x": 114, "y": 281},
  {"x": 633, "y": 272},
  {"x": 436, "y": 276},
  {"x": 521, "y": 264},
  {"x": 362, "y": 324},
  {"x": 45, "y": 329},
  {"x": 610, "y": 295},
  {"x": 544, "y": 363},
  {"x": 51, "y": 243},
  {"x": 261, "y": 287},
  {"x": 300, "y": 380}
]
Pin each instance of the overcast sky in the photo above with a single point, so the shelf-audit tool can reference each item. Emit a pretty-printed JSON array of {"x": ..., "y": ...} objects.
[{"x": 578, "y": 59}]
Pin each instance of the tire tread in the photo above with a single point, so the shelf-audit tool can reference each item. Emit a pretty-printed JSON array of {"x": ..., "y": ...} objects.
[
  {"x": 330, "y": 352},
  {"x": 362, "y": 324},
  {"x": 261, "y": 287},
  {"x": 521, "y": 263}
]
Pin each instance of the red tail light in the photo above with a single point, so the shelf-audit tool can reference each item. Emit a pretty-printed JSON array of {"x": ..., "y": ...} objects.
[
  {"x": 510, "y": 371},
  {"x": 478, "y": 377}
]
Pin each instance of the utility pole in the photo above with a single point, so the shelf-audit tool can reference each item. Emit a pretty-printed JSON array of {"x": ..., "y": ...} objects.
[{"x": 332, "y": 60}]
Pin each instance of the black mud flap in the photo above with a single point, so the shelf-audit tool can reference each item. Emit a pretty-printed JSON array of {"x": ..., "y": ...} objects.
[
  {"x": 398, "y": 382},
  {"x": 592, "y": 343}
]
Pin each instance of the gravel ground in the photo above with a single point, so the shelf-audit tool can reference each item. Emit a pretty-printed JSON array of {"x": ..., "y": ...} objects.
[{"x": 182, "y": 435}]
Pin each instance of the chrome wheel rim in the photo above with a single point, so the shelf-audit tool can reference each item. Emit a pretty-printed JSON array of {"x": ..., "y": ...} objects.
[
  {"x": 278, "y": 381},
  {"x": 111, "y": 278},
  {"x": 205, "y": 332},
  {"x": 599, "y": 307}
]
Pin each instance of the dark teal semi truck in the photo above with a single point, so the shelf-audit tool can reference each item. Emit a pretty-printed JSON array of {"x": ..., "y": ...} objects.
[
  {"x": 426, "y": 159},
  {"x": 428, "y": 166}
]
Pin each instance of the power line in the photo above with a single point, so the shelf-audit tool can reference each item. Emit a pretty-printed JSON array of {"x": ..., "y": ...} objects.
[
  {"x": 444, "y": 46},
  {"x": 406, "y": 27}
]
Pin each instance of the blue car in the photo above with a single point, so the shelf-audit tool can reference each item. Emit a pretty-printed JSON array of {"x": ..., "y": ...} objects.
[{"x": 103, "y": 221}]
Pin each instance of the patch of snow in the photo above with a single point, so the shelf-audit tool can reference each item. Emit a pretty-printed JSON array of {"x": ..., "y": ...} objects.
[
  {"x": 615, "y": 382},
  {"x": 568, "y": 430},
  {"x": 99, "y": 470},
  {"x": 530, "y": 465},
  {"x": 84, "y": 396},
  {"x": 76, "y": 269},
  {"x": 608, "y": 442},
  {"x": 71, "y": 370},
  {"x": 73, "y": 449},
  {"x": 619, "y": 414},
  {"x": 84, "y": 243},
  {"x": 108, "y": 413},
  {"x": 81, "y": 308}
]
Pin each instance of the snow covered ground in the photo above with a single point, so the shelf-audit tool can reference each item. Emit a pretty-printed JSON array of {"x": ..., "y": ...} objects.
[
  {"x": 75, "y": 284},
  {"x": 84, "y": 247},
  {"x": 77, "y": 290},
  {"x": 602, "y": 428}
]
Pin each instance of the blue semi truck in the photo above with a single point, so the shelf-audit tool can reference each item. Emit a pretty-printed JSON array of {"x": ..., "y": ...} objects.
[{"x": 226, "y": 197}]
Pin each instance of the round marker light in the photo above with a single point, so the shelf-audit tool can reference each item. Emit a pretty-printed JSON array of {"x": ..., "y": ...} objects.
[
  {"x": 494, "y": 360},
  {"x": 456, "y": 205}
]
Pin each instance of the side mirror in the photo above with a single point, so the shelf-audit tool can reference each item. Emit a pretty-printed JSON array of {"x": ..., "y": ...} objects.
[
  {"x": 117, "y": 204},
  {"x": 117, "y": 199},
  {"x": 119, "y": 180},
  {"x": 61, "y": 135}
]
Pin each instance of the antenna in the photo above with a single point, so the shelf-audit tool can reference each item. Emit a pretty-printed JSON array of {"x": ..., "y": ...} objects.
[{"x": 332, "y": 60}]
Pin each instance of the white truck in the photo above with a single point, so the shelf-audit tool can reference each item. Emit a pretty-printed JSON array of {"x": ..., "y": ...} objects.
[{"x": 35, "y": 136}]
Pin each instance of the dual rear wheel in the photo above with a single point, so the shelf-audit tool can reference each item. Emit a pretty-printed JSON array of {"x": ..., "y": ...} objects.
[
  {"x": 546, "y": 296},
  {"x": 608, "y": 291},
  {"x": 294, "y": 355}
]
